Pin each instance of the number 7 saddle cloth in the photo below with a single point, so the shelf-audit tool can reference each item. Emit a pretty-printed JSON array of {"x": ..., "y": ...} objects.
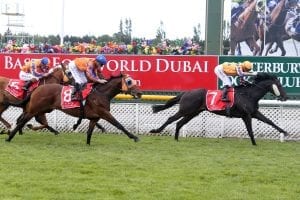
[{"x": 214, "y": 102}]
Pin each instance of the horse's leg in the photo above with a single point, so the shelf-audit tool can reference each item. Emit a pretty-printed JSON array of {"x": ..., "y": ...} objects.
[
  {"x": 275, "y": 49},
  {"x": 90, "y": 131},
  {"x": 182, "y": 122},
  {"x": 5, "y": 123},
  {"x": 248, "y": 122},
  {"x": 171, "y": 119},
  {"x": 100, "y": 127},
  {"x": 75, "y": 126},
  {"x": 42, "y": 120},
  {"x": 268, "y": 47},
  {"x": 22, "y": 120},
  {"x": 253, "y": 46},
  {"x": 280, "y": 45},
  {"x": 262, "y": 46},
  {"x": 108, "y": 117},
  {"x": 239, "y": 49},
  {"x": 77, "y": 123},
  {"x": 258, "y": 115},
  {"x": 233, "y": 44}
]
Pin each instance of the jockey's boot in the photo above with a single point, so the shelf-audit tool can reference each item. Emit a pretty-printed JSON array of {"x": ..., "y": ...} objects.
[
  {"x": 26, "y": 85},
  {"x": 75, "y": 91},
  {"x": 224, "y": 94}
]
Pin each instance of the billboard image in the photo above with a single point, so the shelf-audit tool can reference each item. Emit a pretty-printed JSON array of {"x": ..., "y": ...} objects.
[{"x": 265, "y": 27}]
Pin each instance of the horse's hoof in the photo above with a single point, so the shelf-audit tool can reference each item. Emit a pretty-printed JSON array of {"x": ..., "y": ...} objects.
[
  {"x": 56, "y": 133},
  {"x": 103, "y": 130},
  {"x": 7, "y": 140},
  {"x": 136, "y": 139},
  {"x": 286, "y": 134},
  {"x": 74, "y": 127},
  {"x": 153, "y": 131}
]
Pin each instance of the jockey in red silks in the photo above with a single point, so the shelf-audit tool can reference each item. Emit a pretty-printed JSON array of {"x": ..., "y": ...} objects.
[
  {"x": 232, "y": 69},
  {"x": 85, "y": 70},
  {"x": 33, "y": 70}
]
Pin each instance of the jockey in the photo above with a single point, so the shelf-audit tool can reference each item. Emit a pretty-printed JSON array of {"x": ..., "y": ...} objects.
[
  {"x": 292, "y": 26},
  {"x": 33, "y": 70},
  {"x": 85, "y": 70},
  {"x": 232, "y": 69}
]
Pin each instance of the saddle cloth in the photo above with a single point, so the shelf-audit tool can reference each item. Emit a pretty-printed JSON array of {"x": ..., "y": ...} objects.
[
  {"x": 214, "y": 102},
  {"x": 66, "y": 100},
  {"x": 14, "y": 87}
]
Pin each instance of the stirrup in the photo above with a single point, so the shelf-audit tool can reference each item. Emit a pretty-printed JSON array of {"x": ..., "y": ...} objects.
[{"x": 74, "y": 97}]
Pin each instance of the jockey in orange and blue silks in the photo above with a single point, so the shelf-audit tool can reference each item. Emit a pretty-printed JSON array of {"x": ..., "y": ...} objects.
[
  {"x": 85, "y": 70},
  {"x": 232, "y": 69},
  {"x": 34, "y": 70}
]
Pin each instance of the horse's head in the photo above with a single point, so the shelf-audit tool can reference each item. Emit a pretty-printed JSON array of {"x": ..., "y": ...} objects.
[
  {"x": 59, "y": 74},
  {"x": 272, "y": 84},
  {"x": 129, "y": 86}
]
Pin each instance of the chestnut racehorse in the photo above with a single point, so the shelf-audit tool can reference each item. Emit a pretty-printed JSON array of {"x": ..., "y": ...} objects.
[
  {"x": 46, "y": 98},
  {"x": 57, "y": 76}
]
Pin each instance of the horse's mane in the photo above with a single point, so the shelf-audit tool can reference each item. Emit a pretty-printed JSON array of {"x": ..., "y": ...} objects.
[
  {"x": 119, "y": 75},
  {"x": 261, "y": 76},
  {"x": 264, "y": 76}
]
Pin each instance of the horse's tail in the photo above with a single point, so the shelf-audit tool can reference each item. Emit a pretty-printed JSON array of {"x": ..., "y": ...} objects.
[{"x": 168, "y": 104}]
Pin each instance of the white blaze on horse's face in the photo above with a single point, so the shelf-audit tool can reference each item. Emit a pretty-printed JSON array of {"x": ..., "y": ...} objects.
[{"x": 275, "y": 90}]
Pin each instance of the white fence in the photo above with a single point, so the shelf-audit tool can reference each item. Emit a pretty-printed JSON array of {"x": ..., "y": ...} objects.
[{"x": 139, "y": 119}]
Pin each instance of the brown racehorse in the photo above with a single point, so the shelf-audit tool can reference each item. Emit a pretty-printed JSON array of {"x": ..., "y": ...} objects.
[
  {"x": 244, "y": 29},
  {"x": 48, "y": 97},
  {"x": 57, "y": 76}
]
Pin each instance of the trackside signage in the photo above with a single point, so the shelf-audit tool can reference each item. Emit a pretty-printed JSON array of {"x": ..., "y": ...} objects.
[
  {"x": 286, "y": 68},
  {"x": 155, "y": 73}
]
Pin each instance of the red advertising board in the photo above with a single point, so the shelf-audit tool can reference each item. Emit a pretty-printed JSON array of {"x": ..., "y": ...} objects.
[{"x": 155, "y": 73}]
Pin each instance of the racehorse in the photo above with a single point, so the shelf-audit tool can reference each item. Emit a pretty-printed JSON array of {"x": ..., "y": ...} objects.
[
  {"x": 48, "y": 97},
  {"x": 245, "y": 105},
  {"x": 57, "y": 76},
  {"x": 244, "y": 29}
]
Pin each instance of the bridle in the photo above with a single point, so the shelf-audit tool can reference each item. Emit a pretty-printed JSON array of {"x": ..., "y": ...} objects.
[{"x": 127, "y": 83}]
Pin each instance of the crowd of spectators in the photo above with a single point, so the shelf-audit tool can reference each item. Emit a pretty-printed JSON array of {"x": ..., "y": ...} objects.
[{"x": 144, "y": 47}]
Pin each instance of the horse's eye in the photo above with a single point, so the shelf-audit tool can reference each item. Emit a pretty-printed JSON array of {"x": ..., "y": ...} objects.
[{"x": 129, "y": 82}]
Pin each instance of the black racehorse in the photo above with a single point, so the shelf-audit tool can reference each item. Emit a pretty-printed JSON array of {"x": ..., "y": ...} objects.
[{"x": 245, "y": 105}]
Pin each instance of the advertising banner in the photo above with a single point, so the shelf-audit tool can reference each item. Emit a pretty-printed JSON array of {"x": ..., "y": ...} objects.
[{"x": 153, "y": 73}]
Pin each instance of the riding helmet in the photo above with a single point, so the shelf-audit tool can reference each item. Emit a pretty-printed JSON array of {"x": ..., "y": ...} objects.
[
  {"x": 247, "y": 65},
  {"x": 45, "y": 61},
  {"x": 101, "y": 59}
]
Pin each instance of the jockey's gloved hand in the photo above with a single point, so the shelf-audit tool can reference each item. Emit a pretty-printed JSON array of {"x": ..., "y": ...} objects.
[
  {"x": 102, "y": 81},
  {"x": 50, "y": 70},
  {"x": 242, "y": 80}
]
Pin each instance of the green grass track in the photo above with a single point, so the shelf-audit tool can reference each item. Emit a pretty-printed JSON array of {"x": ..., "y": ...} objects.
[{"x": 37, "y": 166}]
